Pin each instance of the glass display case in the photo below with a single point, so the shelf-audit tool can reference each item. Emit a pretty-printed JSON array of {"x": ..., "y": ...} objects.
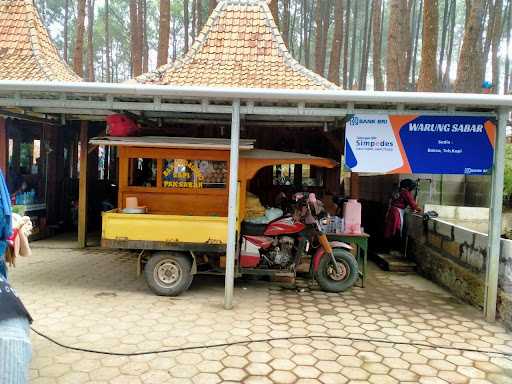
[{"x": 27, "y": 173}]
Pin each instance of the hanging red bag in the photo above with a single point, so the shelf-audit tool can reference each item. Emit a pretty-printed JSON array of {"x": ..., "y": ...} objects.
[{"x": 121, "y": 125}]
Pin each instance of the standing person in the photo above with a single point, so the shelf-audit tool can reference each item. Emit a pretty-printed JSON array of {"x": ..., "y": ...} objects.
[
  {"x": 402, "y": 199},
  {"x": 15, "y": 347}
]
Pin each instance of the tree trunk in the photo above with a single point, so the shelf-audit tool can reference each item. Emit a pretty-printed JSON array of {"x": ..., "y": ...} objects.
[
  {"x": 274, "y": 8},
  {"x": 186, "y": 24},
  {"x": 351, "y": 73},
  {"x": 469, "y": 69},
  {"x": 199, "y": 12},
  {"x": 107, "y": 43},
  {"x": 310, "y": 33},
  {"x": 393, "y": 54},
  {"x": 326, "y": 13},
  {"x": 417, "y": 23},
  {"x": 506, "y": 82},
  {"x": 307, "y": 36},
  {"x": 285, "y": 27},
  {"x": 66, "y": 28},
  {"x": 164, "y": 32},
  {"x": 133, "y": 32},
  {"x": 427, "y": 81},
  {"x": 366, "y": 45},
  {"x": 136, "y": 43},
  {"x": 43, "y": 11},
  {"x": 78, "y": 54},
  {"x": 300, "y": 55},
  {"x": 489, "y": 33},
  {"x": 292, "y": 27},
  {"x": 444, "y": 33},
  {"x": 496, "y": 38},
  {"x": 397, "y": 66},
  {"x": 144, "y": 33},
  {"x": 377, "y": 45},
  {"x": 449, "y": 55},
  {"x": 194, "y": 20},
  {"x": 174, "y": 40},
  {"x": 334, "y": 62},
  {"x": 90, "y": 35},
  {"x": 318, "y": 38},
  {"x": 407, "y": 39},
  {"x": 345, "y": 45},
  {"x": 211, "y": 6}
]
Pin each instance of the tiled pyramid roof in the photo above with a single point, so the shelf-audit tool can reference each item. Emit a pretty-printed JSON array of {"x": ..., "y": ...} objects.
[
  {"x": 240, "y": 46},
  {"x": 26, "y": 51}
]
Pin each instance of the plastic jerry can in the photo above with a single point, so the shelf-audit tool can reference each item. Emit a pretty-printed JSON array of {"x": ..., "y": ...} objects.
[{"x": 352, "y": 216}]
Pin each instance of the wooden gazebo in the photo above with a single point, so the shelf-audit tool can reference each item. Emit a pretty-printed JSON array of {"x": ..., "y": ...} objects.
[{"x": 28, "y": 54}]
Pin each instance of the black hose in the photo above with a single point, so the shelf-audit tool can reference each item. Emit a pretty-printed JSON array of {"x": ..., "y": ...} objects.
[{"x": 245, "y": 342}]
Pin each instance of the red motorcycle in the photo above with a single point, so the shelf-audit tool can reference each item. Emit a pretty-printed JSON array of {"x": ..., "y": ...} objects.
[{"x": 282, "y": 244}]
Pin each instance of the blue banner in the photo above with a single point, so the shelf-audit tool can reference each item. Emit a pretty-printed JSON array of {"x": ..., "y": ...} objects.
[{"x": 420, "y": 144}]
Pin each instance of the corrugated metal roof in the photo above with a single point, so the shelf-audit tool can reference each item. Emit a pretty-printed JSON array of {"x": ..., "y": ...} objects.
[
  {"x": 170, "y": 142},
  {"x": 267, "y": 154}
]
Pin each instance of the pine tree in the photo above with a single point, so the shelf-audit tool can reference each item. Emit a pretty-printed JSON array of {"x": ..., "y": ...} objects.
[
  {"x": 469, "y": 68},
  {"x": 90, "y": 44},
  {"x": 334, "y": 62},
  {"x": 377, "y": 45},
  {"x": 164, "y": 32},
  {"x": 428, "y": 69},
  {"x": 78, "y": 54}
]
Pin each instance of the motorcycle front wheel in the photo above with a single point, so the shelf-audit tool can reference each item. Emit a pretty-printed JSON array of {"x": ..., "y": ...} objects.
[{"x": 327, "y": 277}]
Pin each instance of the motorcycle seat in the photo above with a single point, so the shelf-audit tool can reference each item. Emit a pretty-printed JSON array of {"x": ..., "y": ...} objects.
[{"x": 252, "y": 229}]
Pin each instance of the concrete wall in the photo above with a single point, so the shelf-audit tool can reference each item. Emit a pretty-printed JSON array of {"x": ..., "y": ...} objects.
[
  {"x": 470, "y": 191},
  {"x": 477, "y": 191},
  {"x": 456, "y": 257},
  {"x": 474, "y": 218}
]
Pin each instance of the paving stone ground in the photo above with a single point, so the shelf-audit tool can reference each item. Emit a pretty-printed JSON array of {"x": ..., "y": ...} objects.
[{"x": 93, "y": 299}]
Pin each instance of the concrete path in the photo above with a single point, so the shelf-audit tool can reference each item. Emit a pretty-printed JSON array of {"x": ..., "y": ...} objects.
[{"x": 93, "y": 299}]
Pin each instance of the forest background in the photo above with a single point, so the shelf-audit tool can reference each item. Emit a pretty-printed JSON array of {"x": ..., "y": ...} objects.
[{"x": 424, "y": 45}]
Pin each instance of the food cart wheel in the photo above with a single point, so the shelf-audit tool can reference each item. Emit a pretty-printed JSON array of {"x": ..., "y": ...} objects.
[
  {"x": 327, "y": 277},
  {"x": 168, "y": 274}
]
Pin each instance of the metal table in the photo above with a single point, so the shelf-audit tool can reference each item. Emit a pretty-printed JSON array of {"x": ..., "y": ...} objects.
[{"x": 361, "y": 243}]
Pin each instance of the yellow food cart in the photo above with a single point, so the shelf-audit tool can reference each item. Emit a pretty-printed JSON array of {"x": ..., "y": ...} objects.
[{"x": 180, "y": 188}]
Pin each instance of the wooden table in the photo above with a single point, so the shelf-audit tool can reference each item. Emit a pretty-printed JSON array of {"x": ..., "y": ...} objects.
[{"x": 361, "y": 242}]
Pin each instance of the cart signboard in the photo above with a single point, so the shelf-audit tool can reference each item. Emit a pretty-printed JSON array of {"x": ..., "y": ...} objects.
[{"x": 420, "y": 144}]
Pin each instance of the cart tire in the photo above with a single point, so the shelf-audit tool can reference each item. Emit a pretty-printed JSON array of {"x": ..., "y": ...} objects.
[
  {"x": 168, "y": 274},
  {"x": 326, "y": 275}
]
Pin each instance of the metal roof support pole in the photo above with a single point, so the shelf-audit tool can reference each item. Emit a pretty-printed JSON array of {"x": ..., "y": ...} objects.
[
  {"x": 496, "y": 206},
  {"x": 232, "y": 206},
  {"x": 82, "y": 191}
]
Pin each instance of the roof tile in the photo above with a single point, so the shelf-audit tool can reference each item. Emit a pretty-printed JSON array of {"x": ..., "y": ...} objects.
[
  {"x": 26, "y": 51},
  {"x": 240, "y": 46}
]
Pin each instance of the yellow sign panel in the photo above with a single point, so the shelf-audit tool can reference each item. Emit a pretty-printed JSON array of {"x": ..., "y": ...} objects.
[{"x": 177, "y": 175}]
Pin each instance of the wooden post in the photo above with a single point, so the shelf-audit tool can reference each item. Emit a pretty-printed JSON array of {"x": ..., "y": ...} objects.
[
  {"x": 4, "y": 146},
  {"x": 82, "y": 193}
]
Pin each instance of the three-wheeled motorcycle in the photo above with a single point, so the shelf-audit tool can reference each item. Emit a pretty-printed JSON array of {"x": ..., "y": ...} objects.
[{"x": 172, "y": 208}]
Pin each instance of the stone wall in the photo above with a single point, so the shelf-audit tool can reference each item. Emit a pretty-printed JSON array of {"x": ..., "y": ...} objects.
[{"x": 456, "y": 257}]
